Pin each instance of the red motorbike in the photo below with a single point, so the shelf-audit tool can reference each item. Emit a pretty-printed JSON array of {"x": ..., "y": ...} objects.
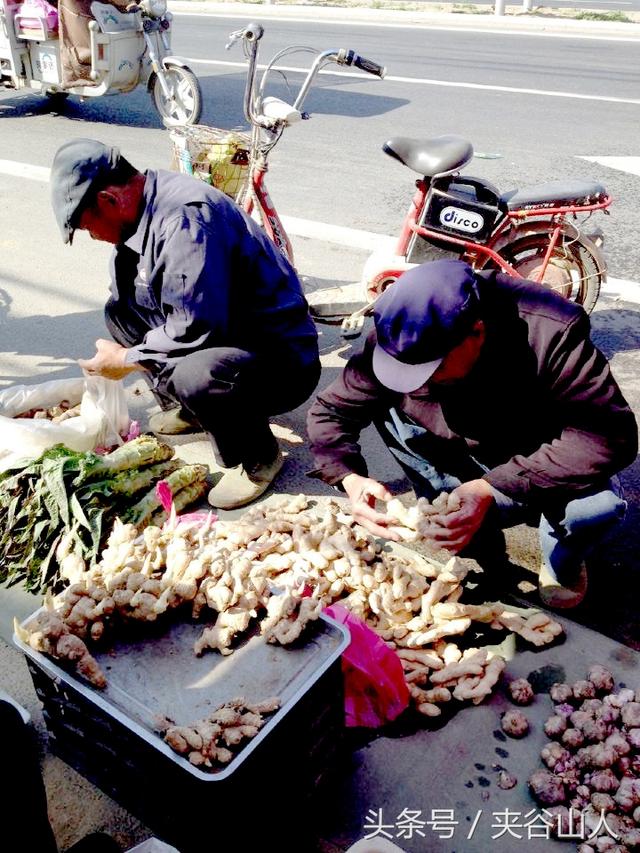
[{"x": 535, "y": 233}]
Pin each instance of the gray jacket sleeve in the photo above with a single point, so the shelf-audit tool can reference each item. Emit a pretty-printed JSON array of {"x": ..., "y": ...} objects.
[{"x": 340, "y": 413}]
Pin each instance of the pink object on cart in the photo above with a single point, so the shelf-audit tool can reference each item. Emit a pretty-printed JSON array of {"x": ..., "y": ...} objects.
[{"x": 37, "y": 16}]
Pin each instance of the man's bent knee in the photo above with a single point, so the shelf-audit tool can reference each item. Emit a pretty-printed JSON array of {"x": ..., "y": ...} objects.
[
  {"x": 605, "y": 509},
  {"x": 219, "y": 370}
]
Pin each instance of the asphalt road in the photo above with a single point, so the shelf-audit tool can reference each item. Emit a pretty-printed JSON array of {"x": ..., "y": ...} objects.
[{"x": 540, "y": 102}]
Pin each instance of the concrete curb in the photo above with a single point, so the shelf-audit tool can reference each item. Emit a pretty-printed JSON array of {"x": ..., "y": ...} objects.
[{"x": 430, "y": 17}]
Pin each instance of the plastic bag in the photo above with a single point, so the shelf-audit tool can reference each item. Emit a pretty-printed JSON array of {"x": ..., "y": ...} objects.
[
  {"x": 375, "y": 691},
  {"x": 38, "y": 15},
  {"x": 102, "y": 421},
  {"x": 165, "y": 496}
]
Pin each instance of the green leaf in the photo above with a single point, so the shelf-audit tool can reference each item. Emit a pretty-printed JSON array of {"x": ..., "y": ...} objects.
[
  {"x": 78, "y": 512},
  {"x": 53, "y": 482}
]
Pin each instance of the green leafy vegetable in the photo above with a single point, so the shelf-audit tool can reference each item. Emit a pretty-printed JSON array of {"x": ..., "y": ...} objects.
[{"x": 78, "y": 495}]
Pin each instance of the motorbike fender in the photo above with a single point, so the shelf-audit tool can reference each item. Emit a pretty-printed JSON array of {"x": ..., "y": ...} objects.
[
  {"x": 544, "y": 227},
  {"x": 167, "y": 62}
]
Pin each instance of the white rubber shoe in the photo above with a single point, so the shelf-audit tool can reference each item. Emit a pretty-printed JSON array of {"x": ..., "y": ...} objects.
[
  {"x": 240, "y": 486},
  {"x": 172, "y": 422},
  {"x": 555, "y": 595}
]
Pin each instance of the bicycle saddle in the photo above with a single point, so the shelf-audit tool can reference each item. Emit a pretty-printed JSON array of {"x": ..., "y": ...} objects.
[
  {"x": 560, "y": 192},
  {"x": 438, "y": 156}
]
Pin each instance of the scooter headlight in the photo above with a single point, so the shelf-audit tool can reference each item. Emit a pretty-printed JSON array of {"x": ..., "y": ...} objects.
[{"x": 154, "y": 8}]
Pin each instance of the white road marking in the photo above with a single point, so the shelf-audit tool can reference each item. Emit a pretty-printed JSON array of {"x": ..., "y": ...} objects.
[
  {"x": 425, "y": 81},
  {"x": 24, "y": 170},
  {"x": 352, "y": 238},
  {"x": 417, "y": 25},
  {"x": 615, "y": 288},
  {"x": 623, "y": 164}
]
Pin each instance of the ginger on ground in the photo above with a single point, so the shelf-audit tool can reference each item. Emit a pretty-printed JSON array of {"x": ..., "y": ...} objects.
[{"x": 259, "y": 564}]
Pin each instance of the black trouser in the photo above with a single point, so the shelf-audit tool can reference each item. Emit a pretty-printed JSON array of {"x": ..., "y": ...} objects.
[
  {"x": 230, "y": 392},
  {"x": 24, "y": 802}
]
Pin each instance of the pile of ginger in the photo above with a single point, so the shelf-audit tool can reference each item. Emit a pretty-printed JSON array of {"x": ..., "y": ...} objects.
[
  {"x": 213, "y": 740},
  {"x": 280, "y": 564},
  {"x": 419, "y": 522}
]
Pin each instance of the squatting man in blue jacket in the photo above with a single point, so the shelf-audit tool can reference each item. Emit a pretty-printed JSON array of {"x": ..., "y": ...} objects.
[{"x": 201, "y": 301}]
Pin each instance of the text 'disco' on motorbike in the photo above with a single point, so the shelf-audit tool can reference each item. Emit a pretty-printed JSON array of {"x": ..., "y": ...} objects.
[{"x": 90, "y": 49}]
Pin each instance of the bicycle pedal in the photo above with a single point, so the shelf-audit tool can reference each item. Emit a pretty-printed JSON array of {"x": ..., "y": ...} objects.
[{"x": 352, "y": 328}]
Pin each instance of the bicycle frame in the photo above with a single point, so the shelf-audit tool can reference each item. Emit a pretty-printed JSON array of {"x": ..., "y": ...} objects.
[
  {"x": 410, "y": 227},
  {"x": 270, "y": 219}
]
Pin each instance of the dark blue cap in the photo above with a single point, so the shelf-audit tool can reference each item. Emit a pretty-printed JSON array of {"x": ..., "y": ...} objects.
[{"x": 420, "y": 319}]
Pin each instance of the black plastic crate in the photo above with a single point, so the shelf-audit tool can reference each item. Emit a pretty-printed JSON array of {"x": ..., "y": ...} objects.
[{"x": 264, "y": 795}]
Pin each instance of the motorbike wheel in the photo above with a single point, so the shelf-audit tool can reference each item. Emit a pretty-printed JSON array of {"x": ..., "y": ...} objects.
[
  {"x": 573, "y": 270},
  {"x": 185, "y": 107},
  {"x": 379, "y": 284}
]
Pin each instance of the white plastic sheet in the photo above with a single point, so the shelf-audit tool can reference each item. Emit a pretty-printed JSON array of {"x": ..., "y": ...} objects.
[{"x": 102, "y": 422}]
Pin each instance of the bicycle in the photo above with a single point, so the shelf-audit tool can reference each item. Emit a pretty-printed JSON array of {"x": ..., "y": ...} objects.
[{"x": 529, "y": 233}]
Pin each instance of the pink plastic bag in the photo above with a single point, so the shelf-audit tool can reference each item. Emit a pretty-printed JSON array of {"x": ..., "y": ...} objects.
[
  {"x": 163, "y": 493},
  {"x": 375, "y": 691}
]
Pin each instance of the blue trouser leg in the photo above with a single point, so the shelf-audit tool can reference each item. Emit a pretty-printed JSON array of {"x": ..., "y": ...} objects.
[
  {"x": 232, "y": 393},
  {"x": 229, "y": 391},
  {"x": 570, "y": 534},
  {"x": 567, "y": 533}
]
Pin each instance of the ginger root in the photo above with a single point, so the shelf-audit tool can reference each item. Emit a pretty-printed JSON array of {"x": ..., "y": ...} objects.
[
  {"x": 48, "y": 633},
  {"x": 211, "y": 742}
]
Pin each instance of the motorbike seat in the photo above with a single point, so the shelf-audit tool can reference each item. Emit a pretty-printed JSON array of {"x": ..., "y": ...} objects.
[
  {"x": 441, "y": 155},
  {"x": 563, "y": 192}
]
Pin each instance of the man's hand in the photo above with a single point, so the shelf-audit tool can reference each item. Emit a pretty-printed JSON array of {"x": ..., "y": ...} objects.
[
  {"x": 362, "y": 492},
  {"x": 456, "y": 529},
  {"x": 108, "y": 361}
]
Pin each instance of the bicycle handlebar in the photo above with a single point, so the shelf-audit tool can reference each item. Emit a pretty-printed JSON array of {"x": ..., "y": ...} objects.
[
  {"x": 350, "y": 57},
  {"x": 251, "y": 36}
]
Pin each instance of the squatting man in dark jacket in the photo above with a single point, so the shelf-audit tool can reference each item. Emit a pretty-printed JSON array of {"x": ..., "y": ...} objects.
[
  {"x": 488, "y": 387},
  {"x": 201, "y": 301}
]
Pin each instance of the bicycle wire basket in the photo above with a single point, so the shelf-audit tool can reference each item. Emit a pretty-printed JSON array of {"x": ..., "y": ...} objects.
[{"x": 215, "y": 156}]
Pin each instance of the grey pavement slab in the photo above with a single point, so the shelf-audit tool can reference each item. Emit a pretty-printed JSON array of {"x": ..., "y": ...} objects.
[
  {"x": 454, "y": 769},
  {"x": 422, "y": 769}
]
